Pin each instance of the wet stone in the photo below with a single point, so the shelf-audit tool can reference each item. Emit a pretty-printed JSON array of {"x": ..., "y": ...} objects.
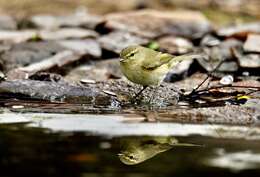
[
  {"x": 161, "y": 96},
  {"x": 222, "y": 115},
  {"x": 54, "y": 91},
  {"x": 116, "y": 41},
  {"x": 110, "y": 93},
  {"x": 152, "y": 23}
]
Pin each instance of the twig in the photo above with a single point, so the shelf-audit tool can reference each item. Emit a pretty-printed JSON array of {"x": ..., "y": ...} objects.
[
  {"x": 208, "y": 76},
  {"x": 231, "y": 86}
]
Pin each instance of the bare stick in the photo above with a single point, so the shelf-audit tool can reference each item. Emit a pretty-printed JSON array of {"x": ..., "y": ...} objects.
[
  {"x": 208, "y": 76},
  {"x": 144, "y": 87}
]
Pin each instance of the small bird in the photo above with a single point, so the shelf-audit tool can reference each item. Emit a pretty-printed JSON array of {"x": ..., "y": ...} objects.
[
  {"x": 139, "y": 149},
  {"x": 148, "y": 67}
]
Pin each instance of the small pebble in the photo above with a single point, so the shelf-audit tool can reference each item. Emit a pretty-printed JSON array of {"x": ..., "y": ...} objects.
[
  {"x": 105, "y": 145},
  {"x": 245, "y": 73},
  {"x": 87, "y": 81},
  {"x": 109, "y": 92},
  {"x": 17, "y": 106},
  {"x": 226, "y": 80}
]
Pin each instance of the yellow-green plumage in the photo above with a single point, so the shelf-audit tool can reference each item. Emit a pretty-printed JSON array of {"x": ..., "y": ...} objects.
[{"x": 147, "y": 67}]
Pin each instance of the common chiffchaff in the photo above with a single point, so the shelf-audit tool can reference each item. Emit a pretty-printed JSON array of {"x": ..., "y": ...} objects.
[
  {"x": 148, "y": 67},
  {"x": 137, "y": 150}
]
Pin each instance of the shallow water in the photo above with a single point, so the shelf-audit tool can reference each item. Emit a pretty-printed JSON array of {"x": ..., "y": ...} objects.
[{"x": 36, "y": 144}]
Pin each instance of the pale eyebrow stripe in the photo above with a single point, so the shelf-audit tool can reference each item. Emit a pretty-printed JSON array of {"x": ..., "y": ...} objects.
[{"x": 134, "y": 51}]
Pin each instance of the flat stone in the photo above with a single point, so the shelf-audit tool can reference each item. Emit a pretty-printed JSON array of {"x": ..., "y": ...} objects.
[
  {"x": 241, "y": 30},
  {"x": 7, "y": 23},
  {"x": 17, "y": 36},
  {"x": 54, "y": 91},
  {"x": 216, "y": 54},
  {"x": 89, "y": 46},
  {"x": 219, "y": 115},
  {"x": 252, "y": 43},
  {"x": 153, "y": 23},
  {"x": 175, "y": 45},
  {"x": 249, "y": 60},
  {"x": 116, "y": 41},
  {"x": 210, "y": 41},
  {"x": 66, "y": 33},
  {"x": 23, "y": 54},
  {"x": 100, "y": 71},
  {"x": 78, "y": 19}
]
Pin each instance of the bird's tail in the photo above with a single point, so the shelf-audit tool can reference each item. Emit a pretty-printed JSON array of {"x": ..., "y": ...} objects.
[{"x": 177, "y": 59}]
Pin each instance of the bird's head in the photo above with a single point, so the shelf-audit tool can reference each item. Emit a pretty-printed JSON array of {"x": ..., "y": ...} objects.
[
  {"x": 131, "y": 158},
  {"x": 130, "y": 53}
]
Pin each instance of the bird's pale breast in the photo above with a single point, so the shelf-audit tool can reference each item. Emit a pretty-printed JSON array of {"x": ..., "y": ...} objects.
[{"x": 139, "y": 75}]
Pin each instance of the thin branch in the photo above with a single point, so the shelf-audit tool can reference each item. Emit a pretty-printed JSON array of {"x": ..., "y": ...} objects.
[
  {"x": 229, "y": 86},
  {"x": 209, "y": 74}
]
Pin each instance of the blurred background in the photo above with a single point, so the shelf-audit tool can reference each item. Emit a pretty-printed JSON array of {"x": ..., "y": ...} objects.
[{"x": 219, "y": 11}]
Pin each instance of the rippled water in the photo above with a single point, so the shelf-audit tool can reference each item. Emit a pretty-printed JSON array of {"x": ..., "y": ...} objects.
[{"x": 115, "y": 145}]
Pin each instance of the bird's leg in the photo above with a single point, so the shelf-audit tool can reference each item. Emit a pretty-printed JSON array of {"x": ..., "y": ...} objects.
[
  {"x": 144, "y": 87},
  {"x": 154, "y": 91}
]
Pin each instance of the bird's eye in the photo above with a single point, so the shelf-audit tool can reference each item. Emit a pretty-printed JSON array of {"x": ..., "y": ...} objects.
[
  {"x": 132, "y": 54},
  {"x": 131, "y": 157}
]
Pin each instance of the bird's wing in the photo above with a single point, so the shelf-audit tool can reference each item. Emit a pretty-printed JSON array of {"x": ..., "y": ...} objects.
[{"x": 153, "y": 62}]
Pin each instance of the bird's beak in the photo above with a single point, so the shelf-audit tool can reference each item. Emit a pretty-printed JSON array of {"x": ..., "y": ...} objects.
[{"x": 122, "y": 60}]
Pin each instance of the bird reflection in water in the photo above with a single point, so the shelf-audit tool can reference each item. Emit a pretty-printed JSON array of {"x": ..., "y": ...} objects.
[{"x": 136, "y": 150}]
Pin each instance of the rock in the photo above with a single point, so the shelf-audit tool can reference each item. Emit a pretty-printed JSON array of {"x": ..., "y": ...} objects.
[
  {"x": 247, "y": 60},
  {"x": 28, "y": 52},
  {"x": 189, "y": 83},
  {"x": 219, "y": 115},
  {"x": 54, "y": 91},
  {"x": 116, "y": 41},
  {"x": 210, "y": 41},
  {"x": 248, "y": 83},
  {"x": 226, "y": 80},
  {"x": 78, "y": 19},
  {"x": 44, "y": 76},
  {"x": 222, "y": 52},
  {"x": 164, "y": 95},
  {"x": 252, "y": 43},
  {"x": 89, "y": 46},
  {"x": 17, "y": 36},
  {"x": 175, "y": 45},
  {"x": 153, "y": 23},
  {"x": 100, "y": 71},
  {"x": 240, "y": 31},
  {"x": 56, "y": 62},
  {"x": 228, "y": 66},
  {"x": 67, "y": 33},
  {"x": 7, "y": 23},
  {"x": 178, "y": 71},
  {"x": 106, "y": 94}
]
